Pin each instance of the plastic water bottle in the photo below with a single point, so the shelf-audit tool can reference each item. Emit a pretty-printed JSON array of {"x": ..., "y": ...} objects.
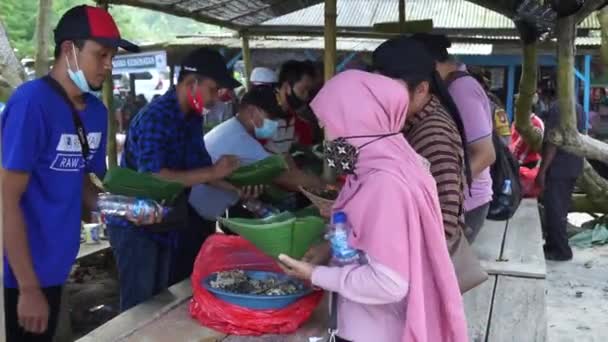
[
  {"x": 505, "y": 195},
  {"x": 342, "y": 253},
  {"x": 259, "y": 209},
  {"x": 138, "y": 211}
]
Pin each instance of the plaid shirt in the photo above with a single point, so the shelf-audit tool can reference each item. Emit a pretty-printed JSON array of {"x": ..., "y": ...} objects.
[{"x": 160, "y": 136}]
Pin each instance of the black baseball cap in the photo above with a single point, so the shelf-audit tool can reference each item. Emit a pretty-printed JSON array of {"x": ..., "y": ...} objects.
[
  {"x": 436, "y": 44},
  {"x": 265, "y": 98},
  {"x": 209, "y": 63},
  {"x": 91, "y": 23},
  {"x": 402, "y": 56}
]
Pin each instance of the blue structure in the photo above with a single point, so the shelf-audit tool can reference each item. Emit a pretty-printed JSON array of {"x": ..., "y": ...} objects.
[{"x": 511, "y": 62}]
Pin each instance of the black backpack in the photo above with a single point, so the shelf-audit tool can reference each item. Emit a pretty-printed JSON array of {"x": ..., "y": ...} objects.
[{"x": 506, "y": 167}]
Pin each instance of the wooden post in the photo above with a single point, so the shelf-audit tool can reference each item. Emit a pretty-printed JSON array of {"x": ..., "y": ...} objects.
[
  {"x": 330, "y": 58},
  {"x": 246, "y": 58},
  {"x": 108, "y": 98},
  {"x": 401, "y": 16},
  {"x": 331, "y": 13}
]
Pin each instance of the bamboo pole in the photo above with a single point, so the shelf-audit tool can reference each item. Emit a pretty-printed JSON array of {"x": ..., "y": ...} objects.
[
  {"x": 330, "y": 57},
  {"x": 108, "y": 98},
  {"x": 402, "y": 16},
  {"x": 331, "y": 13},
  {"x": 246, "y": 59}
]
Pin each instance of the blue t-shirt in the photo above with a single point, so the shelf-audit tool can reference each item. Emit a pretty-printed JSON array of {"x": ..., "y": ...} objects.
[
  {"x": 39, "y": 137},
  {"x": 230, "y": 137}
]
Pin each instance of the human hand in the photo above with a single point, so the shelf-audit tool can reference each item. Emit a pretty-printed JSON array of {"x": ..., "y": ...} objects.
[
  {"x": 541, "y": 178},
  {"x": 251, "y": 191},
  {"x": 318, "y": 254},
  {"x": 33, "y": 311},
  {"x": 226, "y": 165},
  {"x": 294, "y": 268}
]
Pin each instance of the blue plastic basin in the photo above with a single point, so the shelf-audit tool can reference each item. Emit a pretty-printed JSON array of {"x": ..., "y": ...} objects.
[{"x": 258, "y": 302}]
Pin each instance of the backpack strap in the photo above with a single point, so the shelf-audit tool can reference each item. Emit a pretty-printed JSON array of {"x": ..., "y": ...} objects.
[{"x": 454, "y": 75}]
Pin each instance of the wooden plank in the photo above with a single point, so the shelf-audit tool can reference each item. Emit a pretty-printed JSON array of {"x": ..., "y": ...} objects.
[
  {"x": 477, "y": 307},
  {"x": 132, "y": 320},
  {"x": 523, "y": 250},
  {"x": 488, "y": 243},
  {"x": 519, "y": 312},
  {"x": 316, "y": 326},
  {"x": 176, "y": 325},
  {"x": 88, "y": 249}
]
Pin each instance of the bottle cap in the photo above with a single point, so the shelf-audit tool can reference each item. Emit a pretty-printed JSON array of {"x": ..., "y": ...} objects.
[{"x": 339, "y": 217}]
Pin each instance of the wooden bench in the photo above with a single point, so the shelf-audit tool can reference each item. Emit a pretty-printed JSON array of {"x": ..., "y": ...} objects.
[{"x": 510, "y": 306}]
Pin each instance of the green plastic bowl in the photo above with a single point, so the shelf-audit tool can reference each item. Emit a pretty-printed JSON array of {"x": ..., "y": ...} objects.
[{"x": 291, "y": 236}]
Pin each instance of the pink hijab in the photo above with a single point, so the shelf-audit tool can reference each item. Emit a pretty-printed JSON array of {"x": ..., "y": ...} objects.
[{"x": 391, "y": 202}]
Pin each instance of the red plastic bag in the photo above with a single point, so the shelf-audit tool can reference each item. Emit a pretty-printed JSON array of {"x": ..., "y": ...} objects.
[
  {"x": 528, "y": 182},
  {"x": 222, "y": 253}
]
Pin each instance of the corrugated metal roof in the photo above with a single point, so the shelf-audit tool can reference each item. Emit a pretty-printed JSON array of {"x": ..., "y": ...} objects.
[
  {"x": 229, "y": 13},
  {"x": 236, "y": 14},
  {"x": 446, "y": 14}
]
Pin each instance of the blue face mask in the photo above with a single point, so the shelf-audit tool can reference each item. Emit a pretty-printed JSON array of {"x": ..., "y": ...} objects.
[
  {"x": 78, "y": 77},
  {"x": 268, "y": 129}
]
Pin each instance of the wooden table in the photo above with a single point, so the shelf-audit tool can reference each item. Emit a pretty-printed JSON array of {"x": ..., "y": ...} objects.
[{"x": 510, "y": 306}]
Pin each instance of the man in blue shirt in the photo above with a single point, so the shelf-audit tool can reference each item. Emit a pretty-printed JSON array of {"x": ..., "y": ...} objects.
[
  {"x": 45, "y": 181},
  {"x": 166, "y": 139}
]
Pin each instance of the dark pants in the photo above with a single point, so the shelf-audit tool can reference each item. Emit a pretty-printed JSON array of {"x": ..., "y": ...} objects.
[
  {"x": 187, "y": 247},
  {"x": 474, "y": 221},
  {"x": 556, "y": 200},
  {"x": 143, "y": 264},
  {"x": 14, "y": 332}
]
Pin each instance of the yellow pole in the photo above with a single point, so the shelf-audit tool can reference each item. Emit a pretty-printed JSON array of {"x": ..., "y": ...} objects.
[
  {"x": 246, "y": 58},
  {"x": 331, "y": 13},
  {"x": 401, "y": 16}
]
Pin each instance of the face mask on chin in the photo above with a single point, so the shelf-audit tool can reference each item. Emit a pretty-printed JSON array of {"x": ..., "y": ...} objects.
[
  {"x": 78, "y": 77},
  {"x": 195, "y": 100}
]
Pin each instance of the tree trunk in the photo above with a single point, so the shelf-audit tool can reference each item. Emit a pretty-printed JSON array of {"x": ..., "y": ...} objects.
[
  {"x": 602, "y": 17},
  {"x": 527, "y": 88},
  {"x": 11, "y": 69},
  {"x": 43, "y": 28}
]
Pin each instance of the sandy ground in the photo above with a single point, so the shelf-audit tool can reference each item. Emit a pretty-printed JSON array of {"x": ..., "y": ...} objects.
[{"x": 577, "y": 294}]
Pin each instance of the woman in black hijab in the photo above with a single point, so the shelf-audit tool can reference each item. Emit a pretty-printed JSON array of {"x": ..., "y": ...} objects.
[{"x": 433, "y": 128}]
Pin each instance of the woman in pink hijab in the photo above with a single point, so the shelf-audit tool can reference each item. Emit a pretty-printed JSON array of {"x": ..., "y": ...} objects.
[{"x": 406, "y": 290}]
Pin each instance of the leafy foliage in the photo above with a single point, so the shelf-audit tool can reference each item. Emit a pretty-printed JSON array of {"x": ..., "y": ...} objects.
[{"x": 136, "y": 24}]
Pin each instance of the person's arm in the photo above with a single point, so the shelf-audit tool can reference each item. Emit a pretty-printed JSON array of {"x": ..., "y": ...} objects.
[
  {"x": 474, "y": 108},
  {"x": 371, "y": 284},
  {"x": 293, "y": 178},
  {"x": 482, "y": 155},
  {"x": 90, "y": 192},
  {"x": 16, "y": 244}
]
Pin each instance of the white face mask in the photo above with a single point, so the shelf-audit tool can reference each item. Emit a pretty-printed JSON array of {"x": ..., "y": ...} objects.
[{"x": 78, "y": 76}]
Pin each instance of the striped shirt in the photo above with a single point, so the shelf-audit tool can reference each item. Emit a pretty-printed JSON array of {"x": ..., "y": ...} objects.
[{"x": 434, "y": 135}]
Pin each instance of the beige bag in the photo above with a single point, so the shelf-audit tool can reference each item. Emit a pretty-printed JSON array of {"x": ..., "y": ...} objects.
[{"x": 468, "y": 269}]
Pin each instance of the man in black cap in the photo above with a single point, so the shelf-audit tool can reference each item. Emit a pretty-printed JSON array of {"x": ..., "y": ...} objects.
[
  {"x": 53, "y": 136},
  {"x": 166, "y": 139}
]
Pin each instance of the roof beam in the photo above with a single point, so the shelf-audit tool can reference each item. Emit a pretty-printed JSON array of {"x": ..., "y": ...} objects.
[{"x": 174, "y": 10}]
